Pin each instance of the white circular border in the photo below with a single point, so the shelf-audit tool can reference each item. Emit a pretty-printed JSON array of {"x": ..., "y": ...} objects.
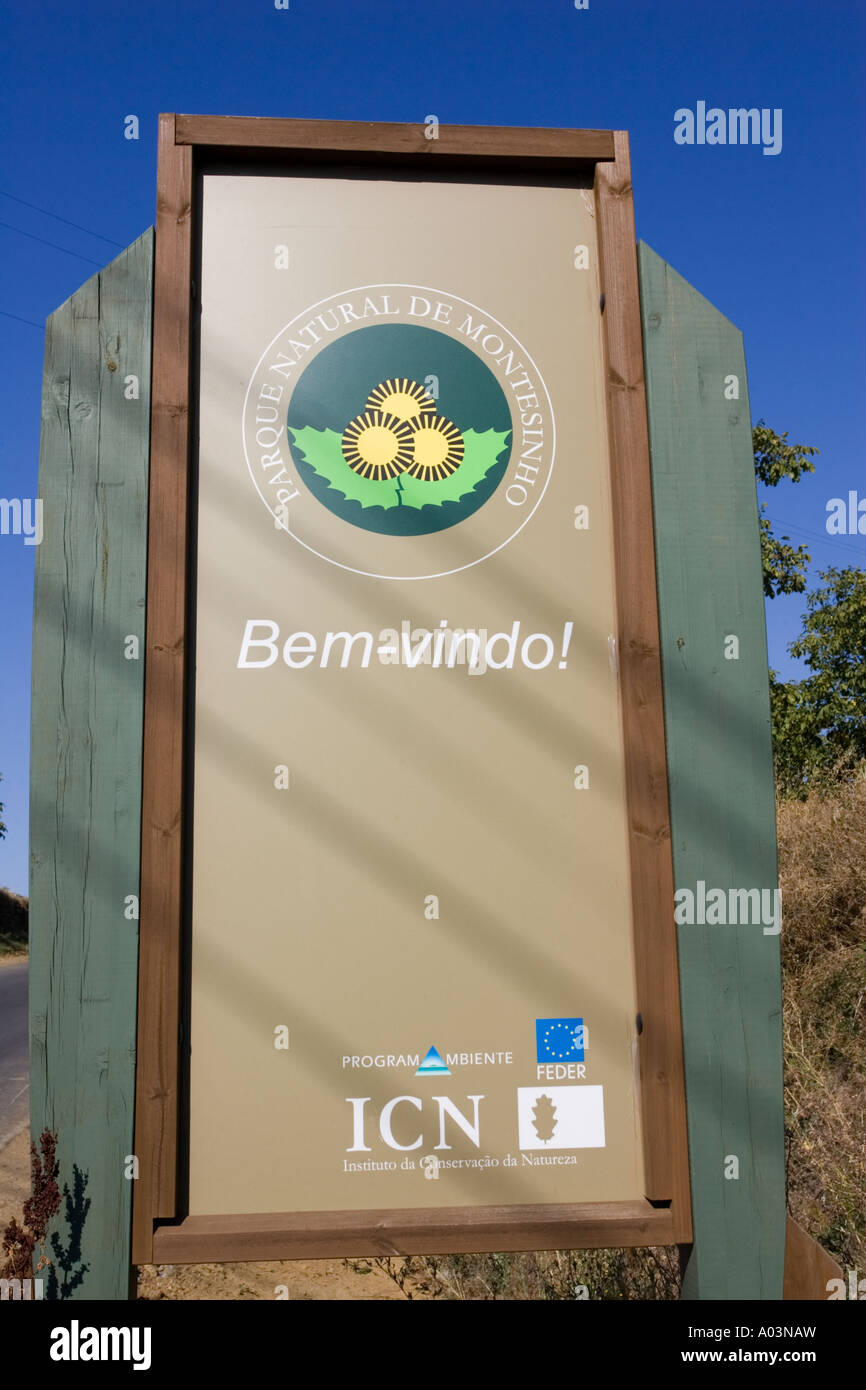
[{"x": 368, "y": 574}]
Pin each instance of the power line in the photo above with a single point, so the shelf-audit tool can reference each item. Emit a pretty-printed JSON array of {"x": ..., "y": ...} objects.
[
  {"x": 815, "y": 536},
  {"x": 803, "y": 530},
  {"x": 53, "y": 244},
  {"x": 58, "y": 218},
  {"x": 40, "y": 326}
]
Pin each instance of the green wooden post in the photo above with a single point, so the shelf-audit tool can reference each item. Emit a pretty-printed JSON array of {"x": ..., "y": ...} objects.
[
  {"x": 86, "y": 763},
  {"x": 723, "y": 823}
]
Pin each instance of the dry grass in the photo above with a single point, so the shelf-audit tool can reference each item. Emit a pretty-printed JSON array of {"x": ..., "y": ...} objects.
[
  {"x": 822, "y": 866},
  {"x": 539, "y": 1275},
  {"x": 822, "y": 855}
]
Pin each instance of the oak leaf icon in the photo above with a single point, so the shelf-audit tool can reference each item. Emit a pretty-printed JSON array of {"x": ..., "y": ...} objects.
[{"x": 544, "y": 1123}]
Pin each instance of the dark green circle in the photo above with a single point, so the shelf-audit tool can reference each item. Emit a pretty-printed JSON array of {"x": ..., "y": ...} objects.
[{"x": 334, "y": 388}]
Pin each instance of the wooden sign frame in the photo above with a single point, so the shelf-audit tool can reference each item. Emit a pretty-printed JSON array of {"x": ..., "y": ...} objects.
[{"x": 161, "y": 1230}]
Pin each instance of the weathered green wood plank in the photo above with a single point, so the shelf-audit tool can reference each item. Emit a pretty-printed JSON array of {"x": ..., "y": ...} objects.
[
  {"x": 723, "y": 823},
  {"x": 86, "y": 761}
]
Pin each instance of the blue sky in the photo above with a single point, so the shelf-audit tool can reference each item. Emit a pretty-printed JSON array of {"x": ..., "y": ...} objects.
[{"x": 773, "y": 241}]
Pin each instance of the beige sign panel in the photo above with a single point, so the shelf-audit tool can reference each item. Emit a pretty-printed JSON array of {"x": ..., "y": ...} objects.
[{"x": 412, "y": 977}]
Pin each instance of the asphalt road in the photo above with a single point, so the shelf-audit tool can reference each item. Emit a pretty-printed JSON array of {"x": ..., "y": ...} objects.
[{"x": 14, "y": 1066}]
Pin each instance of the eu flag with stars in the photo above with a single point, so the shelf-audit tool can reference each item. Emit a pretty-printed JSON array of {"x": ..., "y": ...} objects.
[{"x": 560, "y": 1039}]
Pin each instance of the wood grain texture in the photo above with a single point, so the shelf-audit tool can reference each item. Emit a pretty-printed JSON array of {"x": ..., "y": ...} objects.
[
  {"x": 660, "y": 1043},
  {"x": 717, "y": 715},
  {"x": 85, "y": 759},
  {"x": 375, "y": 141},
  {"x": 453, "y": 1230},
  {"x": 156, "y": 1117},
  {"x": 808, "y": 1267}
]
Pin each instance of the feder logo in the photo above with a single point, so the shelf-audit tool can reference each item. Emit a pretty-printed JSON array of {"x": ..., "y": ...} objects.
[{"x": 398, "y": 432}]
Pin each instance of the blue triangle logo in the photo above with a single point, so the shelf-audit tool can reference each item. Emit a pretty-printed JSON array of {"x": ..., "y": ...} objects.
[{"x": 433, "y": 1065}]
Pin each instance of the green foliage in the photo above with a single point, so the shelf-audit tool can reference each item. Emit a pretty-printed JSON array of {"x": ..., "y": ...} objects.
[
  {"x": 776, "y": 459},
  {"x": 480, "y": 452},
  {"x": 819, "y": 723},
  {"x": 324, "y": 453},
  {"x": 14, "y": 915},
  {"x": 322, "y": 450},
  {"x": 784, "y": 565}
]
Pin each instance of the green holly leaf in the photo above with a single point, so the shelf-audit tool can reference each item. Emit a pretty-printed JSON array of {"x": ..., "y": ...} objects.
[
  {"x": 480, "y": 452},
  {"x": 323, "y": 451}
]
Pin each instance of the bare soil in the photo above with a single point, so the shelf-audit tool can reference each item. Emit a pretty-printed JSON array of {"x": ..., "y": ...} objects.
[
  {"x": 297, "y": 1280},
  {"x": 14, "y": 1177}
]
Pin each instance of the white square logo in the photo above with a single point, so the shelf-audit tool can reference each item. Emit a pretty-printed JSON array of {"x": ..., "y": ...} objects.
[{"x": 560, "y": 1117}]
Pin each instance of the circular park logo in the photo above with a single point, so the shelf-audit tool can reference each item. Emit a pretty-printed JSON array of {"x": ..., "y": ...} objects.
[{"x": 398, "y": 432}]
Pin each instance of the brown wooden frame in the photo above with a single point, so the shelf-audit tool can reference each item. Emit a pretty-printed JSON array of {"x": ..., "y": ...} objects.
[{"x": 160, "y": 1230}]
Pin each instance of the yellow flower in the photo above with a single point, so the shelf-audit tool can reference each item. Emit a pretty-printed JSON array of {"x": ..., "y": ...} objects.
[
  {"x": 437, "y": 449},
  {"x": 377, "y": 445},
  {"x": 401, "y": 397}
]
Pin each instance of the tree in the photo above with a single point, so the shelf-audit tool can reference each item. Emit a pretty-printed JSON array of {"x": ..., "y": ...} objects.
[
  {"x": 2, "y": 826},
  {"x": 784, "y": 565},
  {"x": 819, "y": 723}
]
